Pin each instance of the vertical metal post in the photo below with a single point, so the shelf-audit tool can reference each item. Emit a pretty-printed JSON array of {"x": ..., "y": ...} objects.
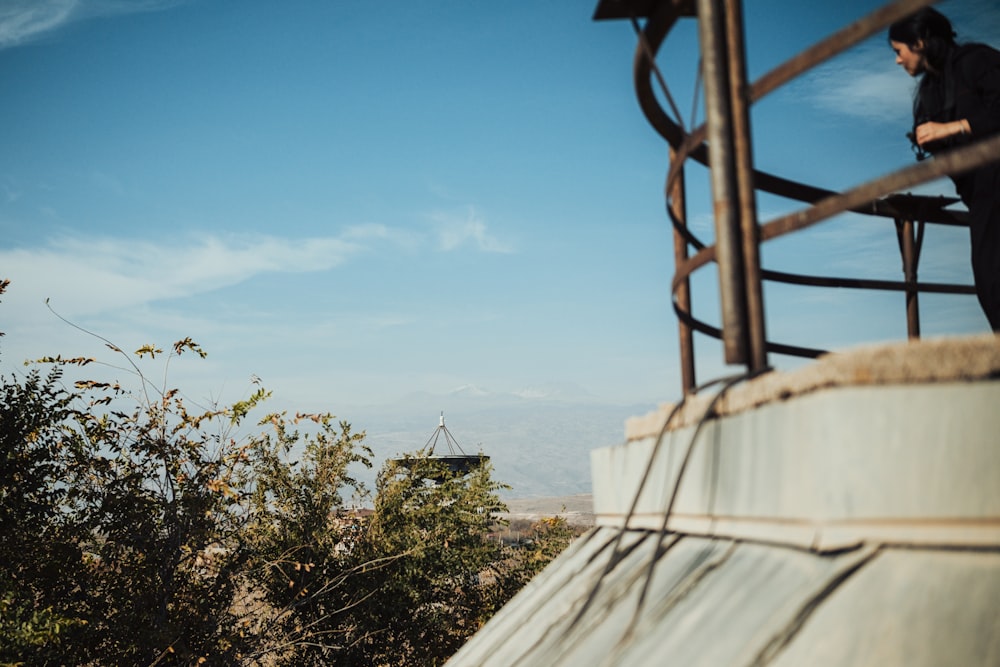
[
  {"x": 907, "y": 248},
  {"x": 718, "y": 115},
  {"x": 678, "y": 208},
  {"x": 743, "y": 159}
]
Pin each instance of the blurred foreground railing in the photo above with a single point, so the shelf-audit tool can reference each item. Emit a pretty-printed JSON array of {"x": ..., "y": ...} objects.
[{"x": 723, "y": 144}]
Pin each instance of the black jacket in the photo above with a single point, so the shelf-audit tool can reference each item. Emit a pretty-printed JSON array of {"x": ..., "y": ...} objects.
[{"x": 968, "y": 87}]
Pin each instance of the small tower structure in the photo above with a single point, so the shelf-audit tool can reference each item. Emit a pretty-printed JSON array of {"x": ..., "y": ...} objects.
[{"x": 455, "y": 460}]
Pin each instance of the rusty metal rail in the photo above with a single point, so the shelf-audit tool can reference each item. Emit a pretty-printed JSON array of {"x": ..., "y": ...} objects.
[{"x": 723, "y": 144}]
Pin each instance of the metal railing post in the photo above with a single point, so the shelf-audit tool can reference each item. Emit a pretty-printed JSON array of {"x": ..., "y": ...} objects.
[
  {"x": 724, "y": 145},
  {"x": 908, "y": 250},
  {"x": 739, "y": 98},
  {"x": 678, "y": 208},
  {"x": 718, "y": 114}
]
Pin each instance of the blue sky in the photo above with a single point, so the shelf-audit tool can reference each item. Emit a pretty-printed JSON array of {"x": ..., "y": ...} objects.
[{"x": 356, "y": 201}]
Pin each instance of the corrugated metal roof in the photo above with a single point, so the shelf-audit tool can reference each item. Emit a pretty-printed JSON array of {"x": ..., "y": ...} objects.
[
  {"x": 850, "y": 525},
  {"x": 723, "y": 602}
]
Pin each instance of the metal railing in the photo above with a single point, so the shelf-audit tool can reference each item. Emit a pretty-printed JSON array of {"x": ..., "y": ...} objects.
[{"x": 723, "y": 144}]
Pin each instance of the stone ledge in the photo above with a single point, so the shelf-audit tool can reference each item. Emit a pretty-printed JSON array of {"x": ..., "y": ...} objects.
[
  {"x": 917, "y": 362},
  {"x": 900, "y": 463}
]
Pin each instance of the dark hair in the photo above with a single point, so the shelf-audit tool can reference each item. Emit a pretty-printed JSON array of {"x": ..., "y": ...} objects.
[{"x": 929, "y": 26}]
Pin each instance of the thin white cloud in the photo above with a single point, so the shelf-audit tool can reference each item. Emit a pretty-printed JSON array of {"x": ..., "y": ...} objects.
[
  {"x": 455, "y": 231},
  {"x": 368, "y": 231},
  {"x": 862, "y": 89},
  {"x": 94, "y": 275},
  {"x": 101, "y": 275},
  {"x": 23, "y": 21},
  {"x": 865, "y": 83},
  {"x": 373, "y": 231}
]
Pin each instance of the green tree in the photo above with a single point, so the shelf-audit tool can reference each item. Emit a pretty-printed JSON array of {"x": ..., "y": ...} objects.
[
  {"x": 129, "y": 520},
  {"x": 41, "y": 561},
  {"x": 302, "y": 535},
  {"x": 140, "y": 529},
  {"x": 153, "y": 486},
  {"x": 433, "y": 586},
  {"x": 39, "y": 539}
]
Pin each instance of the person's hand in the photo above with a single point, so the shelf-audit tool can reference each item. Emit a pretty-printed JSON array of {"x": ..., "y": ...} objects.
[{"x": 930, "y": 132}]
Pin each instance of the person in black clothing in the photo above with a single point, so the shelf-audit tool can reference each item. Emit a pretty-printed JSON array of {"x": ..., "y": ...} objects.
[{"x": 958, "y": 101}]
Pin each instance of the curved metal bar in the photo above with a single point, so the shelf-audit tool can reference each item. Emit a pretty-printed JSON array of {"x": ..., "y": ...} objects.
[
  {"x": 864, "y": 283},
  {"x": 692, "y": 145},
  {"x": 836, "y": 43},
  {"x": 657, "y": 27},
  {"x": 874, "y": 198},
  {"x": 978, "y": 154},
  {"x": 778, "y": 348}
]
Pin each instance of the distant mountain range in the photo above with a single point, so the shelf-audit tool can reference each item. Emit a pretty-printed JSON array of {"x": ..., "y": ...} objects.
[{"x": 538, "y": 439}]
